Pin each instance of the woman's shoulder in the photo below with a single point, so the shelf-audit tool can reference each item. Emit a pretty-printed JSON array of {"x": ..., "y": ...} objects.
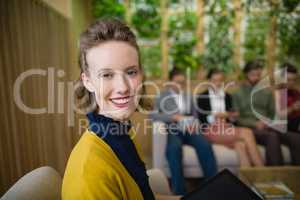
[
  {"x": 93, "y": 167},
  {"x": 90, "y": 161},
  {"x": 92, "y": 152},
  {"x": 89, "y": 173}
]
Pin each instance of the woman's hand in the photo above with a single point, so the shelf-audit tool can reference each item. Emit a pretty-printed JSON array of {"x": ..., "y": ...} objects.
[
  {"x": 177, "y": 117},
  {"x": 221, "y": 115},
  {"x": 233, "y": 114}
]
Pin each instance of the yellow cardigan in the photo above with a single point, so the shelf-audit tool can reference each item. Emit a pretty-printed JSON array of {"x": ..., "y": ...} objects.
[{"x": 94, "y": 172}]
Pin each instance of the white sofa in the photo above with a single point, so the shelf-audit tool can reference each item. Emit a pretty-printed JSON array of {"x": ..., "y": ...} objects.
[
  {"x": 226, "y": 157},
  {"x": 43, "y": 183}
]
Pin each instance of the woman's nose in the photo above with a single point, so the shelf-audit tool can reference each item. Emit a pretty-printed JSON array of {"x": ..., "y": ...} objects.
[{"x": 122, "y": 84}]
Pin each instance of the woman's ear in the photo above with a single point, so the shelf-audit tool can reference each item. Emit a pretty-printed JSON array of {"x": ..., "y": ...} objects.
[{"x": 87, "y": 82}]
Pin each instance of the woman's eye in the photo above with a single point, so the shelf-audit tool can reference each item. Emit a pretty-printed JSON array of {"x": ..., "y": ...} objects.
[
  {"x": 106, "y": 75},
  {"x": 132, "y": 72}
]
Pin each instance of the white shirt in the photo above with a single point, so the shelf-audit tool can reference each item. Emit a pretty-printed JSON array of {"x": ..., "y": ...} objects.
[
  {"x": 217, "y": 103},
  {"x": 180, "y": 101}
]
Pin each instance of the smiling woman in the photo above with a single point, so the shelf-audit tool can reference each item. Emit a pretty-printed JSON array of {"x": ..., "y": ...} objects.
[{"x": 106, "y": 163}]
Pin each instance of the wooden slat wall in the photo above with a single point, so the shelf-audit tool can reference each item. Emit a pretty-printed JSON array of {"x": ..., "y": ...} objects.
[{"x": 32, "y": 35}]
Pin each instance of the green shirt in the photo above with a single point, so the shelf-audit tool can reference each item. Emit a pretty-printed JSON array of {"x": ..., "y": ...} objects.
[{"x": 262, "y": 104}]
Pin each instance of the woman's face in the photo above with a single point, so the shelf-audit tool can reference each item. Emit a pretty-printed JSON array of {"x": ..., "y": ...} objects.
[
  {"x": 114, "y": 77},
  {"x": 217, "y": 80}
]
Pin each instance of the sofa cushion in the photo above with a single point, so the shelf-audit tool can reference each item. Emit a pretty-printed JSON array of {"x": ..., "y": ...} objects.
[{"x": 226, "y": 157}]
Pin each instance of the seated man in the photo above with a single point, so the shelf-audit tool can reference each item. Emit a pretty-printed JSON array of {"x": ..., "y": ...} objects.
[
  {"x": 172, "y": 107},
  {"x": 293, "y": 98},
  {"x": 252, "y": 105}
]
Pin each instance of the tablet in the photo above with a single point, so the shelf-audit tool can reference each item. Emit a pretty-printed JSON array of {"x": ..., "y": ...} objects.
[{"x": 223, "y": 186}]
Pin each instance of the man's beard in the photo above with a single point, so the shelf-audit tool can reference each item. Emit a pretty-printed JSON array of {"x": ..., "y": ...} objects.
[{"x": 253, "y": 83}]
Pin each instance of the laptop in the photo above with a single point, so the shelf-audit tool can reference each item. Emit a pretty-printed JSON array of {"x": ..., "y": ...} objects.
[{"x": 223, "y": 186}]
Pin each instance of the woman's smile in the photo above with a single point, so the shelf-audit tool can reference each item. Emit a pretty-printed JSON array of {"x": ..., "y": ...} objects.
[{"x": 121, "y": 102}]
